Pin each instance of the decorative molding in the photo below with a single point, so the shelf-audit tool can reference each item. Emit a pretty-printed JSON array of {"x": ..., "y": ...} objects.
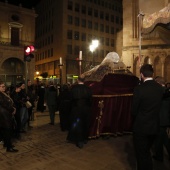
[{"x": 15, "y": 24}]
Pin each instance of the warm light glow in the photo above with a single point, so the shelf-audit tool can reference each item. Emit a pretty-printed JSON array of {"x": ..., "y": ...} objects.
[
  {"x": 91, "y": 47},
  {"x": 95, "y": 43},
  {"x": 37, "y": 73}
]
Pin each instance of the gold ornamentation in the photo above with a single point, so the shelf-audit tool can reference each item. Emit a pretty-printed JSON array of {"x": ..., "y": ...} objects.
[{"x": 101, "y": 106}]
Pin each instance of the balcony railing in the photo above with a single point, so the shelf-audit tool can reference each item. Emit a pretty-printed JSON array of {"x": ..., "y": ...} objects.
[{"x": 7, "y": 42}]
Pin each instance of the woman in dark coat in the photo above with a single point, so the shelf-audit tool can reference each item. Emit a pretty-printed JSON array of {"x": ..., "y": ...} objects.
[
  {"x": 7, "y": 112},
  {"x": 81, "y": 97}
]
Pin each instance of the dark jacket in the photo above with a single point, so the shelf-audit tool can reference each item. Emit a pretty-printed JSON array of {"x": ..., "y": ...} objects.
[
  {"x": 51, "y": 95},
  {"x": 165, "y": 110},
  {"x": 146, "y": 107},
  {"x": 6, "y": 110}
]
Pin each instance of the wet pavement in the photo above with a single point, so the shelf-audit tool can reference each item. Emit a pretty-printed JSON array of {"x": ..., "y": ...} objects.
[{"x": 44, "y": 147}]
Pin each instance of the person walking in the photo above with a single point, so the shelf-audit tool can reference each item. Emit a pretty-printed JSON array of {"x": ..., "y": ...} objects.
[
  {"x": 162, "y": 138},
  {"x": 64, "y": 107},
  {"x": 51, "y": 101},
  {"x": 146, "y": 105},
  {"x": 81, "y": 99},
  {"x": 41, "y": 95},
  {"x": 31, "y": 99}
]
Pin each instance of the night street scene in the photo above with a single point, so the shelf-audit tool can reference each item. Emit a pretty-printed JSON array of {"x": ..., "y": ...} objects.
[{"x": 84, "y": 85}]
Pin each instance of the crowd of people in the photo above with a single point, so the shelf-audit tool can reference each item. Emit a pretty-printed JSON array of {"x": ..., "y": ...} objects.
[
  {"x": 15, "y": 115},
  {"x": 150, "y": 113}
]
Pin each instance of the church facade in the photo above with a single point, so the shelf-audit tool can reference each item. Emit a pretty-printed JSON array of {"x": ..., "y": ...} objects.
[{"x": 146, "y": 37}]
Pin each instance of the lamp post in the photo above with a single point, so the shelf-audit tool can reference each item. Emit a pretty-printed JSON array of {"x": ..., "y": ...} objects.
[
  {"x": 60, "y": 67},
  {"x": 80, "y": 60},
  {"x": 92, "y": 47}
]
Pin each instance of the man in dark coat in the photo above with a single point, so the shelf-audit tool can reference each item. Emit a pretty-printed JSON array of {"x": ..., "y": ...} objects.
[
  {"x": 51, "y": 101},
  {"x": 162, "y": 138},
  {"x": 81, "y": 96},
  {"x": 64, "y": 107},
  {"x": 145, "y": 110}
]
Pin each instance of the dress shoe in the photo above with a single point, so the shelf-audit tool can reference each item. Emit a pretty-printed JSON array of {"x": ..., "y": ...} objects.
[
  {"x": 30, "y": 127},
  {"x": 79, "y": 145},
  {"x": 86, "y": 141},
  {"x": 11, "y": 150},
  {"x": 6, "y": 146},
  {"x": 22, "y": 131},
  {"x": 51, "y": 123}
]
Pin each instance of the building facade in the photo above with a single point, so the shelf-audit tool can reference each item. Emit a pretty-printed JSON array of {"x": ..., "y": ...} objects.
[
  {"x": 146, "y": 37},
  {"x": 66, "y": 27},
  {"x": 17, "y": 29}
]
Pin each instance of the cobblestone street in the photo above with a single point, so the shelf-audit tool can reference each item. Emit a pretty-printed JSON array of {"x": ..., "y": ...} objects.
[{"x": 44, "y": 147}]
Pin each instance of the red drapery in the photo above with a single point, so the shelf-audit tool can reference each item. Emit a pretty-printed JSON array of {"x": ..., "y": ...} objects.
[{"x": 111, "y": 108}]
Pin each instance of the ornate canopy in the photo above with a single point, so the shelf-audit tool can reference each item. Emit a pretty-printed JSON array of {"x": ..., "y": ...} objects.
[{"x": 151, "y": 20}]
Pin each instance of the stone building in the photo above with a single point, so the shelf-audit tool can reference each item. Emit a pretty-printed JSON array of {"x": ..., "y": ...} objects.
[
  {"x": 66, "y": 27},
  {"x": 17, "y": 29},
  {"x": 146, "y": 37}
]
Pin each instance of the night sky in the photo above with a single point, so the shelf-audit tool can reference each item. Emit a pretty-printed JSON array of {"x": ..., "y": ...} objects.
[{"x": 25, "y": 3}]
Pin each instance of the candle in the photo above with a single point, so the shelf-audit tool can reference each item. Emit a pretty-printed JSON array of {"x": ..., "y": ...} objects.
[
  {"x": 80, "y": 55},
  {"x": 60, "y": 60}
]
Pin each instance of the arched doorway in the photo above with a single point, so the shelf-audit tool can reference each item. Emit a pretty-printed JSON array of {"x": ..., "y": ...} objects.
[
  {"x": 157, "y": 67},
  {"x": 12, "y": 71}
]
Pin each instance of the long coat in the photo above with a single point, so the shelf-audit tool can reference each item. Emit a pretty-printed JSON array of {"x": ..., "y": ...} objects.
[
  {"x": 146, "y": 106},
  {"x": 81, "y": 97},
  {"x": 6, "y": 110}
]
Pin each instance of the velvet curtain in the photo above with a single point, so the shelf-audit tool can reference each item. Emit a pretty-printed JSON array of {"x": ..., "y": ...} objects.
[
  {"x": 114, "y": 117},
  {"x": 111, "y": 108}
]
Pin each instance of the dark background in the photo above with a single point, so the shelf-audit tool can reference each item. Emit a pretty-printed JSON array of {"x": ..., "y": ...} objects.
[{"x": 25, "y": 3}]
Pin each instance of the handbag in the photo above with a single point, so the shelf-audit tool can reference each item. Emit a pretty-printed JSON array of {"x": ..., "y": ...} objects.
[{"x": 28, "y": 104}]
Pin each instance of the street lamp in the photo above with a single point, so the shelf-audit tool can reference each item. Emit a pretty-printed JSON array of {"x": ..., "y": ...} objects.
[
  {"x": 37, "y": 78},
  {"x": 37, "y": 73},
  {"x": 92, "y": 47}
]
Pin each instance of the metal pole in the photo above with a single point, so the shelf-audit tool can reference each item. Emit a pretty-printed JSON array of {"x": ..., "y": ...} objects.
[
  {"x": 140, "y": 16},
  {"x": 26, "y": 76},
  {"x": 80, "y": 59},
  {"x": 60, "y": 74},
  {"x": 92, "y": 59}
]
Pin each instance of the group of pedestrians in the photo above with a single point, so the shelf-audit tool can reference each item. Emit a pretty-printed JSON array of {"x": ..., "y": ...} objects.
[
  {"x": 14, "y": 114},
  {"x": 151, "y": 118},
  {"x": 74, "y": 106}
]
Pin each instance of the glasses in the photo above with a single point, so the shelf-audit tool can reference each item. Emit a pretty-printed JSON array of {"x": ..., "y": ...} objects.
[{"x": 2, "y": 86}]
